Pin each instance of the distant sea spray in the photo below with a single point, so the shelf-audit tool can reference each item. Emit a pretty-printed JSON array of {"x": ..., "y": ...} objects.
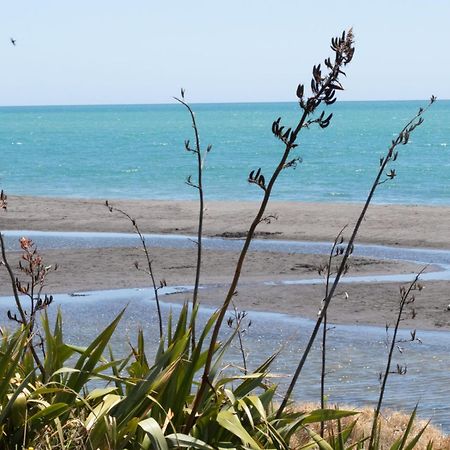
[{"x": 137, "y": 151}]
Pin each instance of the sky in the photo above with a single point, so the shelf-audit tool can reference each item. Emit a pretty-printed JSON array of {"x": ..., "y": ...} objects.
[{"x": 143, "y": 51}]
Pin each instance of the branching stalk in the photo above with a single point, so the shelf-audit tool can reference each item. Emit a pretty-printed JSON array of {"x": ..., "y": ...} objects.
[
  {"x": 149, "y": 270},
  {"x": 238, "y": 319},
  {"x": 323, "y": 89},
  {"x": 391, "y": 154},
  {"x": 23, "y": 317},
  {"x": 337, "y": 241},
  {"x": 199, "y": 186},
  {"x": 404, "y": 296}
]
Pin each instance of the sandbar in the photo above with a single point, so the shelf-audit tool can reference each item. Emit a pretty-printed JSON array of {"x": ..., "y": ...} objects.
[{"x": 376, "y": 304}]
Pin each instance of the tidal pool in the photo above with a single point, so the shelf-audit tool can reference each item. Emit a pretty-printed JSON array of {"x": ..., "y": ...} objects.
[{"x": 356, "y": 354}]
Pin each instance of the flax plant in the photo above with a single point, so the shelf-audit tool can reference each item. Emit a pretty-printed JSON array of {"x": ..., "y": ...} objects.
[
  {"x": 76, "y": 398},
  {"x": 323, "y": 90},
  {"x": 32, "y": 267}
]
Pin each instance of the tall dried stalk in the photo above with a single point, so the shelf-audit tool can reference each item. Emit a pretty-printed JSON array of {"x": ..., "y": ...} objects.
[
  {"x": 199, "y": 186},
  {"x": 237, "y": 322},
  {"x": 390, "y": 156},
  {"x": 149, "y": 270},
  {"x": 336, "y": 250},
  {"x": 323, "y": 90},
  {"x": 405, "y": 299}
]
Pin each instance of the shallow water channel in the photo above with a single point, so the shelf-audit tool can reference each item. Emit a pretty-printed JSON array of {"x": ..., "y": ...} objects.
[{"x": 356, "y": 354}]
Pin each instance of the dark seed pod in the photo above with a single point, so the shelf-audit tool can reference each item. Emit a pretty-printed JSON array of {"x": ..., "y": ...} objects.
[{"x": 286, "y": 134}]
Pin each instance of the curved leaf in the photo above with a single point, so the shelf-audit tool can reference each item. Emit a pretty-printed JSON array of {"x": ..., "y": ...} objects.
[
  {"x": 229, "y": 420},
  {"x": 154, "y": 432}
]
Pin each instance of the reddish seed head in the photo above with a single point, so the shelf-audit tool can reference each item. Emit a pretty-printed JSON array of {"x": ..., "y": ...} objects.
[{"x": 25, "y": 243}]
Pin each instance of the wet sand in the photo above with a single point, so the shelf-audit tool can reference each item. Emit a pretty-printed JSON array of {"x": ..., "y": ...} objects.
[{"x": 96, "y": 269}]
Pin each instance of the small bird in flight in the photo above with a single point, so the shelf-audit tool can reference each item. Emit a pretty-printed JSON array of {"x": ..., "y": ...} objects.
[{"x": 13, "y": 41}]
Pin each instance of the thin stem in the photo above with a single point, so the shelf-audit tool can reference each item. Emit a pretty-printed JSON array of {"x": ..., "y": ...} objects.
[
  {"x": 23, "y": 316},
  {"x": 322, "y": 372},
  {"x": 326, "y": 302},
  {"x": 5, "y": 262},
  {"x": 148, "y": 259},
  {"x": 239, "y": 319},
  {"x": 325, "y": 330},
  {"x": 200, "y": 213},
  {"x": 234, "y": 283},
  {"x": 403, "y": 301},
  {"x": 323, "y": 90}
]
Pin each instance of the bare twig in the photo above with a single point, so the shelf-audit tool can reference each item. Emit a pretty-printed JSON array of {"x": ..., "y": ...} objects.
[
  {"x": 404, "y": 300},
  {"x": 149, "y": 270},
  {"x": 335, "y": 250},
  {"x": 237, "y": 322}
]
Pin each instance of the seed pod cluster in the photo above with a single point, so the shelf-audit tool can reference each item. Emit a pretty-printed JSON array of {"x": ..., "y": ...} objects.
[
  {"x": 43, "y": 303},
  {"x": 33, "y": 268},
  {"x": 257, "y": 178},
  {"x": 324, "y": 122},
  {"x": 324, "y": 86},
  {"x": 287, "y": 136}
]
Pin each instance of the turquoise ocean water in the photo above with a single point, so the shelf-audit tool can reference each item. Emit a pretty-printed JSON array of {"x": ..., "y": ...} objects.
[{"x": 137, "y": 151}]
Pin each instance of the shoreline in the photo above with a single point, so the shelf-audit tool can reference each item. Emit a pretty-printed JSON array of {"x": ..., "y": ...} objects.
[
  {"x": 403, "y": 225},
  {"x": 371, "y": 304}
]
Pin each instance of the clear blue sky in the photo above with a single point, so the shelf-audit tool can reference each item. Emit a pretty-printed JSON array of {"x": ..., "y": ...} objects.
[{"x": 143, "y": 51}]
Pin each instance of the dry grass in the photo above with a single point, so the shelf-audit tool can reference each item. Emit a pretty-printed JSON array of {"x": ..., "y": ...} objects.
[{"x": 393, "y": 424}]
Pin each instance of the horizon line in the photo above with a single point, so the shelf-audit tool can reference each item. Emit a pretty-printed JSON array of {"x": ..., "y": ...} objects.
[{"x": 204, "y": 103}]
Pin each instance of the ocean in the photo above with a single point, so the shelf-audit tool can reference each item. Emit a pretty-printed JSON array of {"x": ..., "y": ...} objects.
[{"x": 137, "y": 151}]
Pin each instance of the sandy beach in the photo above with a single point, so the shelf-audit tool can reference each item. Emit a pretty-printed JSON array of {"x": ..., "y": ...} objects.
[{"x": 96, "y": 269}]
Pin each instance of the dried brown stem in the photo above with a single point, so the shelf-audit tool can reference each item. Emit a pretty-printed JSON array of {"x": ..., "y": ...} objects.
[
  {"x": 338, "y": 240},
  {"x": 323, "y": 91},
  {"x": 199, "y": 186},
  {"x": 403, "y": 301},
  {"x": 148, "y": 259},
  {"x": 22, "y": 314},
  {"x": 402, "y": 139}
]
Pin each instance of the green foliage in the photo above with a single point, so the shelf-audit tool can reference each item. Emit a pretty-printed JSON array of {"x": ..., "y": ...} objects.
[
  {"x": 145, "y": 404},
  {"x": 76, "y": 398}
]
